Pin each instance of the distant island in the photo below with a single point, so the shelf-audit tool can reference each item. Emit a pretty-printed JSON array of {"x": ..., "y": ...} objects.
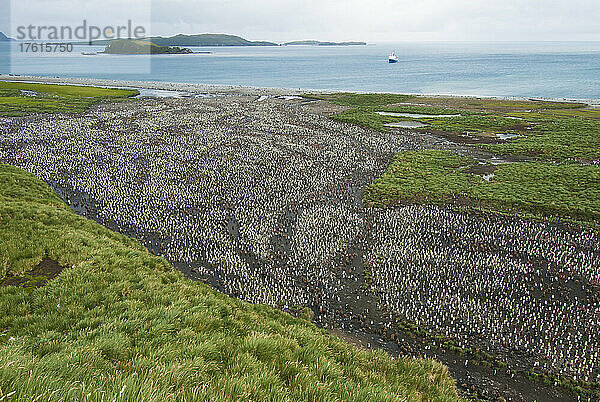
[
  {"x": 200, "y": 40},
  {"x": 213, "y": 40},
  {"x": 4, "y": 38},
  {"x": 131, "y": 46},
  {"x": 319, "y": 43},
  {"x": 208, "y": 40}
]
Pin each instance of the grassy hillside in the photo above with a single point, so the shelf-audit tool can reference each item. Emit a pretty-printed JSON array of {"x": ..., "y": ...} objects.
[
  {"x": 21, "y": 98},
  {"x": 207, "y": 40},
  {"x": 119, "y": 324}
]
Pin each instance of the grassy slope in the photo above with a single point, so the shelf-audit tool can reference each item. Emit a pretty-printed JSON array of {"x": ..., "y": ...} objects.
[
  {"x": 119, "y": 323},
  {"x": 54, "y": 98},
  {"x": 566, "y": 191}
]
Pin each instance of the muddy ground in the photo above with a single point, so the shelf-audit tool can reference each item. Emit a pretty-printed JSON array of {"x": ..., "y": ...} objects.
[{"x": 39, "y": 276}]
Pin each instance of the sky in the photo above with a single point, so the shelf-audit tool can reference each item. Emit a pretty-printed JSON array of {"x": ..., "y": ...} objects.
[{"x": 373, "y": 21}]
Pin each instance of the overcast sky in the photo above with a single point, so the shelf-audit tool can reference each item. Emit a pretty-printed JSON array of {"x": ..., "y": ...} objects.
[{"x": 369, "y": 20}]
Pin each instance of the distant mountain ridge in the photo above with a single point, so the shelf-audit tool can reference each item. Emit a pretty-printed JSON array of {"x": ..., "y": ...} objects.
[
  {"x": 207, "y": 40},
  {"x": 319, "y": 43},
  {"x": 198, "y": 40},
  {"x": 211, "y": 40}
]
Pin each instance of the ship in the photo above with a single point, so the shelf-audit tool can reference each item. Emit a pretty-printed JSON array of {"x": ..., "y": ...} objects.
[{"x": 393, "y": 58}]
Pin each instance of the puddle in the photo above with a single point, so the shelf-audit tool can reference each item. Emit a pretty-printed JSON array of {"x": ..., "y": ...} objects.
[
  {"x": 416, "y": 115},
  {"x": 496, "y": 161},
  {"x": 28, "y": 93},
  {"x": 482, "y": 169},
  {"x": 513, "y": 118},
  {"x": 488, "y": 177},
  {"x": 406, "y": 124},
  {"x": 290, "y": 97},
  {"x": 262, "y": 98},
  {"x": 506, "y": 136}
]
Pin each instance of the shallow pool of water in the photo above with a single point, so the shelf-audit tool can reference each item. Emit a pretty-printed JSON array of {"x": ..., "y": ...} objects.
[
  {"x": 25, "y": 92},
  {"x": 290, "y": 97},
  {"x": 504, "y": 136},
  {"x": 406, "y": 124}
]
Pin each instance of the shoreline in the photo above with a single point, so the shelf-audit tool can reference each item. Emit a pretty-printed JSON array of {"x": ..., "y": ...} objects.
[{"x": 250, "y": 90}]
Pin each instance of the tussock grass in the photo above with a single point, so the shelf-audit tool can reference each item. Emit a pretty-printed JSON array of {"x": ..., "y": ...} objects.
[
  {"x": 361, "y": 100},
  {"x": 498, "y": 106},
  {"x": 546, "y": 190},
  {"x": 51, "y": 98},
  {"x": 558, "y": 131},
  {"x": 120, "y": 324},
  {"x": 557, "y": 138}
]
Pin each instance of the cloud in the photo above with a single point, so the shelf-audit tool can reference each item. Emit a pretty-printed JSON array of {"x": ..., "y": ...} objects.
[{"x": 375, "y": 20}]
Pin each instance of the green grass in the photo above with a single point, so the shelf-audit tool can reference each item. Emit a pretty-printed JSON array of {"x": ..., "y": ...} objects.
[
  {"x": 542, "y": 136},
  {"x": 556, "y": 139},
  {"x": 424, "y": 110},
  {"x": 363, "y": 118},
  {"x": 495, "y": 106},
  {"x": 565, "y": 191},
  {"x": 427, "y": 176},
  {"x": 467, "y": 121},
  {"x": 550, "y": 131},
  {"x": 54, "y": 98},
  {"x": 121, "y": 324},
  {"x": 477, "y": 356},
  {"x": 360, "y": 100},
  {"x": 587, "y": 113},
  {"x": 473, "y": 124},
  {"x": 585, "y": 389},
  {"x": 502, "y": 105}
]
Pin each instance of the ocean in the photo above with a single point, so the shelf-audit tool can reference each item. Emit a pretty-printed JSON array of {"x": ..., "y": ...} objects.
[{"x": 569, "y": 70}]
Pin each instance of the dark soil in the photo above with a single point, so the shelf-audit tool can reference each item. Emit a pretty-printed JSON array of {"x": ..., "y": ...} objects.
[
  {"x": 481, "y": 169},
  {"x": 39, "y": 276},
  {"x": 461, "y": 138}
]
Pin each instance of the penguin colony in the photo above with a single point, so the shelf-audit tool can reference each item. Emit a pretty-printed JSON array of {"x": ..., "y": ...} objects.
[{"x": 263, "y": 201}]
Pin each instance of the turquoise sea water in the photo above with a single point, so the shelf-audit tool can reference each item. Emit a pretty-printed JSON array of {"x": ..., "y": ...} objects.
[{"x": 546, "y": 69}]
